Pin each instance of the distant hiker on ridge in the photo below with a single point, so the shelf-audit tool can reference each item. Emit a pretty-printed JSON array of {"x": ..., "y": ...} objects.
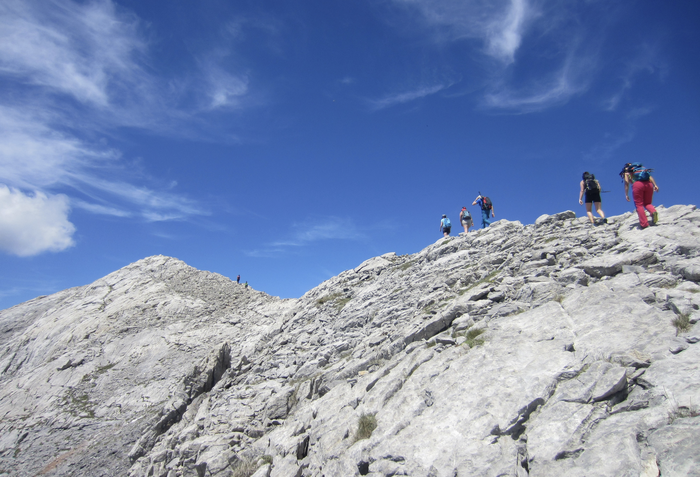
[
  {"x": 486, "y": 207},
  {"x": 445, "y": 225},
  {"x": 466, "y": 219},
  {"x": 643, "y": 188},
  {"x": 591, "y": 187},
  {"x": 238, "y": 279}
]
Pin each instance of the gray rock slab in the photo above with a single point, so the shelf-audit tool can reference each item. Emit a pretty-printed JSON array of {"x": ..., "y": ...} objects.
[
  {"x": 611, "y": 264},
  {"x": 676, "y": 447}
]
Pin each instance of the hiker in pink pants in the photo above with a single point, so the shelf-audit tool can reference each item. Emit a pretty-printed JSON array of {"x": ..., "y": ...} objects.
[{"x": 642, "y": 193}]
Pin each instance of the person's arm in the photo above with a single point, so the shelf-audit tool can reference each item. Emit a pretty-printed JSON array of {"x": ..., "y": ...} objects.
[
  {"x": 475, "y": 200},
  {"x": 493, "y": 212},
  {"x": 656, "y": 188},
  {"x": 580, "y": 196},
  {"x": 627, "y": 186}
]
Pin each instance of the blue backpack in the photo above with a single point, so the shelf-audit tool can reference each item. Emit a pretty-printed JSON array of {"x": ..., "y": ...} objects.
[
  {"x": 446, "y": 223},
  {"x": 637, "y": 170}
]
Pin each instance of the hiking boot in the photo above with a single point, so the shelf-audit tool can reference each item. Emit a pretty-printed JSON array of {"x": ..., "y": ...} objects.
[
  {"x": 654, "y": 218},
  {"x": 604, "y": 220}
]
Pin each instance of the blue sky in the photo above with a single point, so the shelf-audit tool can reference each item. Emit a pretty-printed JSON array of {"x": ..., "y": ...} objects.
[{"x": 290, "y": 140}]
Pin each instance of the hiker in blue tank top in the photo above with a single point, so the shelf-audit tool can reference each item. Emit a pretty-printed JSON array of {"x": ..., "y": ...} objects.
[
  {"x": 486, "y": 209},
  {"x": 445, "y": 225}
]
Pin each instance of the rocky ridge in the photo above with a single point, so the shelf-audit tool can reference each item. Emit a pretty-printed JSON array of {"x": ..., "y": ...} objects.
[{"x": 550, "y": 349}]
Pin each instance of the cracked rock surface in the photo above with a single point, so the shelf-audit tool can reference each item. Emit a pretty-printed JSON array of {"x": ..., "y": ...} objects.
[{"x": 546, "y": 350}]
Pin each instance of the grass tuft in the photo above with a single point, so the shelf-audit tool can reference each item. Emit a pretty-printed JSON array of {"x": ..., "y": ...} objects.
[
  {"x": 365, "y": 426},
  {"x": 245, "y": 468},
  {"x": 682, "y": 323},
  {"x": 473, "y": 337}
]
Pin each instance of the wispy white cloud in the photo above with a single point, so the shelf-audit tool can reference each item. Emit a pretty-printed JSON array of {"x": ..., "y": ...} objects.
[
  {"x": 100, "y": 209},
  {"x": 35, "y": 156},
  {"x": 540, "y": 56},
  {"x": 646, "y": 61},
  {"x": 32, "y": 224},
  {"x": 499, "y": 25},
  {"x": 636, "y": 113},
  {"x": 224, "y": 90},
  {"x": 310, "y": 232},
  {"x": 608, "y": 146},
  {"x": 74, "y": 70},
  {"x": 504, "y": 34},
  {"x": 571, "y": 79},
  {"x": 82, "y": 50},
  {"x": 405, "y": 97}
]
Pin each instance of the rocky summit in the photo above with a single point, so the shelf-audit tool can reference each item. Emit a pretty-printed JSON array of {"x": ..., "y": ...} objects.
[{"x": 553, "y": 349}]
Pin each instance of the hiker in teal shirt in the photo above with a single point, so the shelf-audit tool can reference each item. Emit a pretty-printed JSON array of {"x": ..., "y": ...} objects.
[{"x": 445, "y": 225}]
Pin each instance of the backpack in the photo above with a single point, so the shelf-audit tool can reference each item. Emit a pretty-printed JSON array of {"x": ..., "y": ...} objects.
[
  {"x": 466, "y": 215},
  {"x": 592, "y": 184},
  {"x": 637, "y": 170},
  {"x": 486, "y": 203},
  {"x": 446, "y": 223}
]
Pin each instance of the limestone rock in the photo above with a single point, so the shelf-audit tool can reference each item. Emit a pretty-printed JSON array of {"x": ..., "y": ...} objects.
[{"x": 545, "y": 350}]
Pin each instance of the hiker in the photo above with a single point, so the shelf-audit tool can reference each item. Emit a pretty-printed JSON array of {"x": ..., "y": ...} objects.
[
  {"x": 486, "y": 207},
  {"x": 445, "y": 225},
  {"x": 466, "y": 219},
  {"x": 591, "y": 187},
  {"x": 238, "y": 279},
  {"x": 245, "y": 284},
  {"x": 643, "y": 188}
]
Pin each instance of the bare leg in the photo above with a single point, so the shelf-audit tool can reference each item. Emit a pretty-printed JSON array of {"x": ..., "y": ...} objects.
[
  {"x": 599, "y": 210},
  {"x": 589, "y": 211}
]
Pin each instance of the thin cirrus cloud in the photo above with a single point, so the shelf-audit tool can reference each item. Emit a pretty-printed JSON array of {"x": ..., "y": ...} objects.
[
  {"x": 405, "y": 97},
  {"x": 571, "y": 79},
  {"x": 310, "y": 232},
  {"x": 80, "y": 50},
  {"x": 608, "y": 146},
  {"x": 225, "y": 91},
  {"x": 646, "y": 62},
  {"x": 499, "y": 25},
  {"x": 512, "y": 34},
  {"x": 73, "y": 67}
]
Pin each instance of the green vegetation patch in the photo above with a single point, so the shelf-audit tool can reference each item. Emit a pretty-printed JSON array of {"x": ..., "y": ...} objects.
[
  {"x": 104, "y": 369},
  {"x": 682, "y": 323},
  {"x": 473, "y": 337},
  {"x": 78, "y": 405},
  {"x": 338, "y": 300},
  {"x": 340, "y": 304},
  {"x": 407, "y": 265},
  {"x": 327, "y": 298},
  {"x": 365, "y": 426},
  {"x": 487, "y": 279}
]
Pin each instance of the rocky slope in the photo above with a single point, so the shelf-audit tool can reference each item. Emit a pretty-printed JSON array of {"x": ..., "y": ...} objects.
[{"x": 550, "y": 349}]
